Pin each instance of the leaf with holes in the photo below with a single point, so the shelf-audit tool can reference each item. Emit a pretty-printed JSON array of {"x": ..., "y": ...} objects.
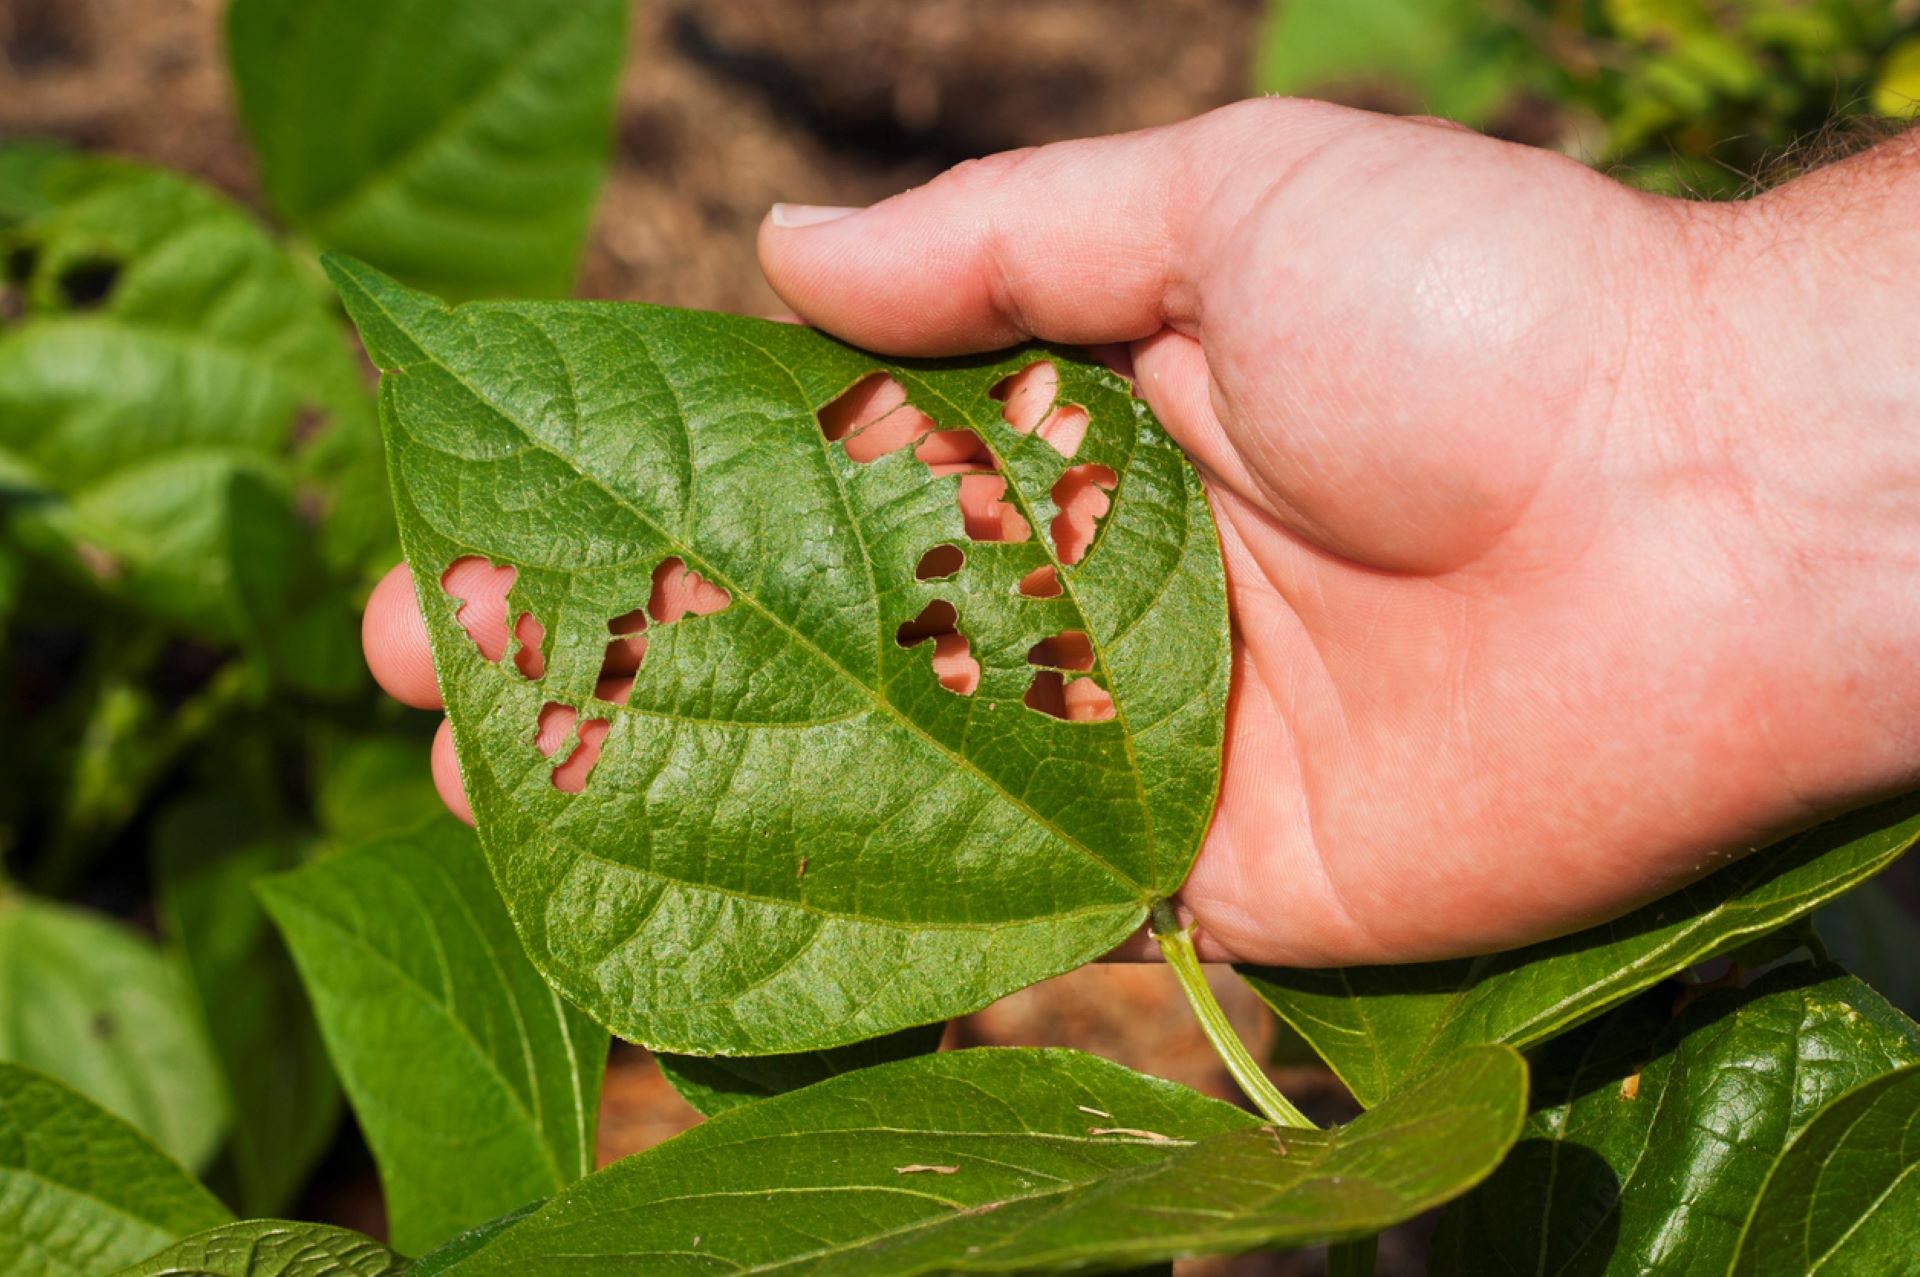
[
  {"x": 1845, "y": 1198},
  {"x": 828, "y": 695},
  {"x": 89, "y": 1001},
  {"x": 81, "y": 1191},
  {"x": 476, "y": 1086},
  {"x": 457, "y": 144},
  {"x": 272, "y": 1248},
  {"x": 1652, "y": 1134},
  {"x": 714, "y": 1084},
  {"x": 996, "y": 1161},
  {"x": 178, "y": 409},
  {"x": 1378, "y": 1026}
]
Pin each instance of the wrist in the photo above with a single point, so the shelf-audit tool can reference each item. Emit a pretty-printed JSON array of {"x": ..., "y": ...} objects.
[{"x": 1803, "y": 352}]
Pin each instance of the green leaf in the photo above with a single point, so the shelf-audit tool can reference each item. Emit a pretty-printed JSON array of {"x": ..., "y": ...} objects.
[
  {"x": 24, "y": 168},
  {"x": 457, "y": 143},
  {"x": 372, "y": 786},
  {"x": 1651, "y": 1135},
  {"x": 1453, "y": 58},
  {"x": 171, "y": 352},
  {"x": 286, "y": 1103},
  {"x": 1377, "y": 1026},
  {"x": 272, "y": 1248},
  {"x": 797, "y": 837},
  {"x": 1870, "y": 933},
  {"x": 1029, "y": 1161},
  {"x": 714, "y": 1084},
  {"x": 85, "y": 999},
  {"x": 477, "y": 1087},
  {"x": 1846, "y": 1197},
  {"x": 82, "y": 1192}
]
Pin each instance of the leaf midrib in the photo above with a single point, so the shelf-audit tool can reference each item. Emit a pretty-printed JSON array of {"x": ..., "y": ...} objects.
[{"x": 694, "y": 559}]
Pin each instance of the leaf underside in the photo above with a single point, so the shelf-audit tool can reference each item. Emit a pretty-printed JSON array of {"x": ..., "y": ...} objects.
[
  {"x": 272, "y": 1248},
  {"x": 715, "y": 1083},
  {"x": 795, "y": 835},
  {"x": 1031, "y": 1161},
  {"x": 1652, "y": 1134},
  {"x": 1378, "y": 1026}
]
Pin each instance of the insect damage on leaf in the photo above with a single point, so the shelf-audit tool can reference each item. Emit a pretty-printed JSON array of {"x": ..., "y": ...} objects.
[{"x": 990, "y": 749}]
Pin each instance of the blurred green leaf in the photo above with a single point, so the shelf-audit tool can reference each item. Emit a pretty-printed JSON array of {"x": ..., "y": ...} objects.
[
  {"x": 714, "y": 1084},
  {"x": 85, "y": 999},
  {"x": 1896, "y": 93},
  {"x": 459, "y": 144},
  {"x": 171, "y": 356},
  {"x": 371, "y": 786},
  {"x": 476, "y": 1086},
  {"x": 272, "y": 1248},
  {"x": 1845, "y": 1198},
  {"x": 82, "y": 1192},
  {"x": 1651, "y": 1135},
  {"x": 1378, "y": 1026},
  {"x": 24, "y": 168},
  {"x": 286, "y": 1104},
  {"x": 1871, "y": 934},
  {"x": 1001, "y": 1161}
]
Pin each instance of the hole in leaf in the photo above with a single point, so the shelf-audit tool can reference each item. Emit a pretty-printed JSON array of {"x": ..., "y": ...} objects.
[
  {"x": 873, "y": 419},
  {"x": 955, "y": 452},
  {"x": 570, "y": 777},
  {"x": 1027, "y": 400},
  {"x": 1067, "y": 650},
  {"x": 985, "y": 516},
  {"x": 623, "y": 656},
  {"x": 552, "y": 726},
  {"x": 1081, "y": 495},
  {"x": 1079, "y": 700},
  {"x": 87, "y": 283},
  {"x": 310, "y": 421},
  {"x": 481, "y": 589},
  {"x": 941, "y": 562},
  {"x": 528, "y": 658},
  {"x": 953, "y": 662},
  {"x": 20, "y": 263},
  {"x": 1041, "y": 583},
  {"x": 678, "y": 592}
]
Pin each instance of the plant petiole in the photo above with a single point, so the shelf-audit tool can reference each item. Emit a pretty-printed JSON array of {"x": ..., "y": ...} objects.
[{"x": 1176, "y": 944}]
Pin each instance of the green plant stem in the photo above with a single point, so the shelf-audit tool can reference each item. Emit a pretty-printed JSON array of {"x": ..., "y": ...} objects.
[
  {"x": 1176, "y": 943},
  {"x": 1354, "y": 1258}
]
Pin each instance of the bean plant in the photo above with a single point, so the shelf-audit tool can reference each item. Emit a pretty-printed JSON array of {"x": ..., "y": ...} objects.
[{"x": 835, "y": 696}]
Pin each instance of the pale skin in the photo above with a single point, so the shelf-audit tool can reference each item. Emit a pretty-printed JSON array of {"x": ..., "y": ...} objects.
[{"x": 1572, "y": 534}]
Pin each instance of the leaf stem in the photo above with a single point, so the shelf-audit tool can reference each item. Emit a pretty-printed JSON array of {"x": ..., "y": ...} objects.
[{"x": 1176, "y": 944}]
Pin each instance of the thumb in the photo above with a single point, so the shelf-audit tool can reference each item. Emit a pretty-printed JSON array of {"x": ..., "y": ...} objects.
[{"x": 1081, "y": 242}]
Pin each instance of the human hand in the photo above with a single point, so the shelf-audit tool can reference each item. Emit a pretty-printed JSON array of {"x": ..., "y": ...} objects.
[{"x": 1569, "y": 531}]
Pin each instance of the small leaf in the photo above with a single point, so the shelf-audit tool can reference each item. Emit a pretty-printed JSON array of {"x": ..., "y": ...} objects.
[
  {"x": 1651, "y": 1135},
  {"x": 373, "y": 786},
  {"x": 810, "y": 1181},
  {"x": 286, "y": 1101},
  {"x": 1377, "y": 1026},
  {"x": 1846, "y": 1197},
  {"x": 82, "y": 1192},
  {"x": 272, "y": 1248},
  {"x": 90, "y": 1002},
  {"x": 851, "y": 785},
  {"x": 457, "y": 143},
  {"x": 476, "y": 1085},
  {"x": 714, "y": 1084}
]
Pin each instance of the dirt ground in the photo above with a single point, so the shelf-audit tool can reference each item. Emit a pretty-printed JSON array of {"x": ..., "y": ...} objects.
[{"x": 727, "y": 106}]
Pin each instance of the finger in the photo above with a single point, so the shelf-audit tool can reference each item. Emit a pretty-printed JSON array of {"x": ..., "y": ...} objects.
[
  {"x": 446, "y": 774},
  {"x": 393, "y": 635},
  {"x": 1088, "y": 241}
]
